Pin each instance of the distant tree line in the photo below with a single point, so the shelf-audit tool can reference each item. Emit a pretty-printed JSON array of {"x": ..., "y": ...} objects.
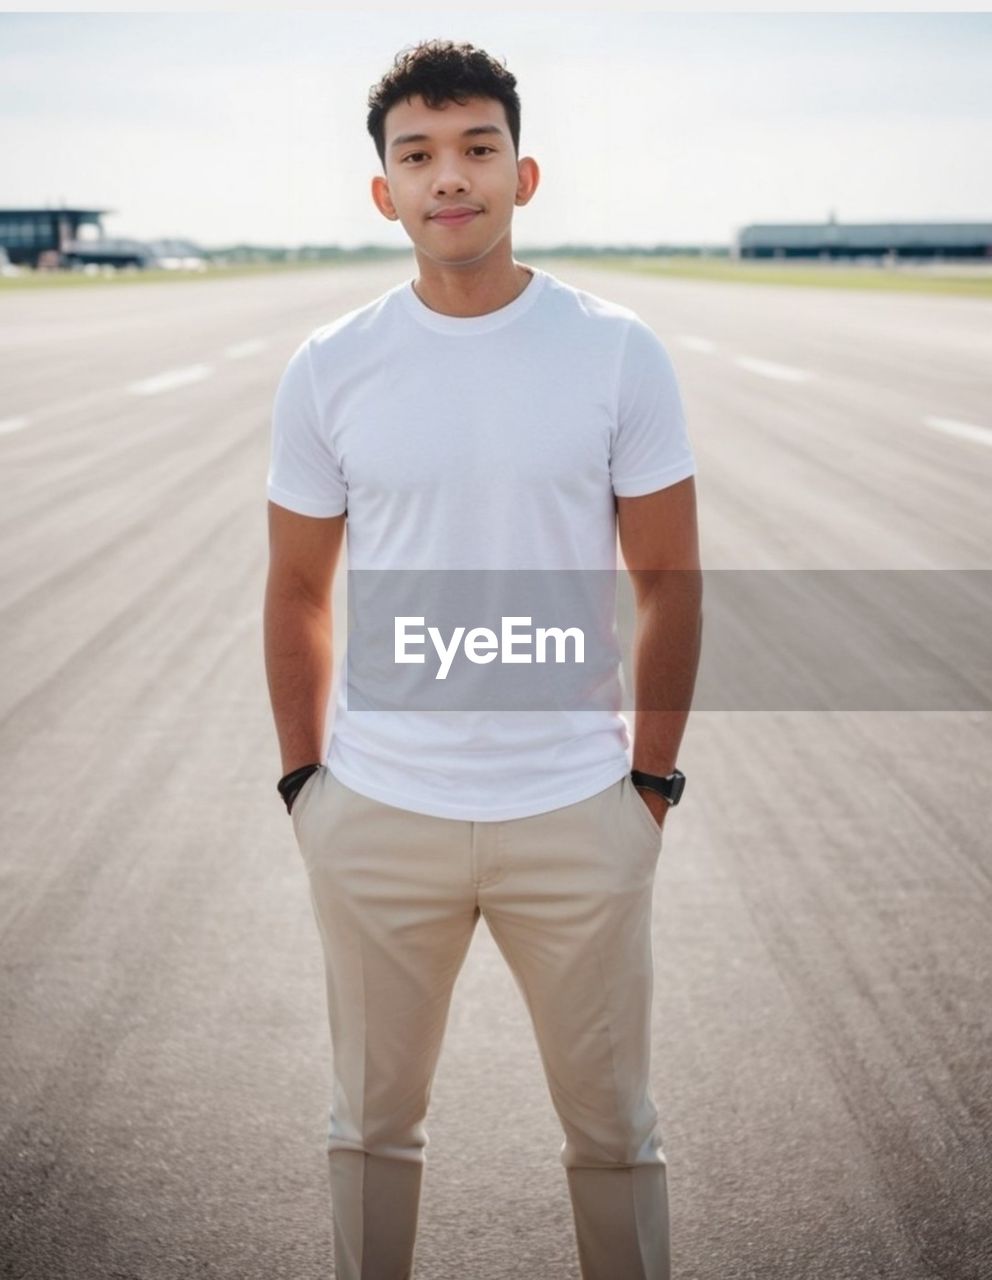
[{"x": 330, "y": 252}]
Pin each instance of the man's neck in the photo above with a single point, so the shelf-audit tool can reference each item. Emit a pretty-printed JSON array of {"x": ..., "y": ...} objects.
[{"x": 461, "y": 292}]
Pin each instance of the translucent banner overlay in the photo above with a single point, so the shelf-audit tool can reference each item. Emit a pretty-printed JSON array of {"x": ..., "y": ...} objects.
[{"x": 772, "y": 640}]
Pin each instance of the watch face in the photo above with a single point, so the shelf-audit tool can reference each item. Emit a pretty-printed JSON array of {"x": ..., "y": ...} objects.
[{"x": 678, "y": 786}]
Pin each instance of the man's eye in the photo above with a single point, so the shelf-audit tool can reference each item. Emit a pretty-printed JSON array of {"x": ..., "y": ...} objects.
[{"x": 414, "y": 154}]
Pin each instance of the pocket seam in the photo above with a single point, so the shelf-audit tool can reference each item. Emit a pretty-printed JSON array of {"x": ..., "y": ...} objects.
[
  {"x": 646, "y": 813},
  {"x": 305, "y": 790}
]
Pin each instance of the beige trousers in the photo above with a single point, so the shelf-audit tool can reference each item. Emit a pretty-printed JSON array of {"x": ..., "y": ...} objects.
[{"x": 567, "y": 896}]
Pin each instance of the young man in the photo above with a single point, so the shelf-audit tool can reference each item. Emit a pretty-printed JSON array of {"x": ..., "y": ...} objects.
[{"x": 483, "y": 416}]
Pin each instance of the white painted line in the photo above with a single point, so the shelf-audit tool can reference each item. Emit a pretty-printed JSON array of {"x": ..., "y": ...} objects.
[
  {"x": 768, "y": 369},
  {"x": 8, "y": 425},
  {"x": 696, "y": 344},
  {"x": 963, "y": 430},
  {"x": 170, "y": 379},
  {"x": 240, "y": 350}
]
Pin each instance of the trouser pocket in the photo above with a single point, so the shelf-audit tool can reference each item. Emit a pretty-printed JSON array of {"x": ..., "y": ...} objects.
[
  {"x": 303, "y": 797},
  {"x": 643, "y": 814}
]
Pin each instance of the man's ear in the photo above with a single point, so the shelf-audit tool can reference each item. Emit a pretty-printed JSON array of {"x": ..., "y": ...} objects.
[
  {"x": 382, "y": 199},
  {"x": 528, "y": 177}
]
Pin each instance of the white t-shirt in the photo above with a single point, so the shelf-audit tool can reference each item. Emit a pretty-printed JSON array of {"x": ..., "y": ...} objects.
[{"x": 481, "y": 442}]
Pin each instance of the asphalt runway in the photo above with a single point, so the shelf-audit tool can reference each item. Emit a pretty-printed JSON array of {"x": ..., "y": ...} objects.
[{"x": 822, "y": 1036}]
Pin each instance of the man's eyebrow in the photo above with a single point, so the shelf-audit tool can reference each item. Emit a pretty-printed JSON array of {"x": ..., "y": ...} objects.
[{"x": 475, "y": 130}]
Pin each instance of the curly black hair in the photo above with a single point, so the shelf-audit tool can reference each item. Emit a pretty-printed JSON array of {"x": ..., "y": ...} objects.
[{"x": 442, "y": 71}]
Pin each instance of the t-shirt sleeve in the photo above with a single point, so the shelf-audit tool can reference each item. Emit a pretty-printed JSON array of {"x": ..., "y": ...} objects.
[
  {"x": 304, "y": 475},
  {"x": 651, "y": 448}
]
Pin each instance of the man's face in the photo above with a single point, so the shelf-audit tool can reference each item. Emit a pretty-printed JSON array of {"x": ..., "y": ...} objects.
[{"x": 450, "y": 168}]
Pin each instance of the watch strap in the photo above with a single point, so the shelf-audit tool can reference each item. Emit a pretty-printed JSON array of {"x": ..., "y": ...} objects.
[
  {"x": 290, "y": 785},
  {"x": 670, "y": 786}
]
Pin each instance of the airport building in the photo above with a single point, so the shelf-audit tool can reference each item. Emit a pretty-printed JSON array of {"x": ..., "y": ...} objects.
[
  {"x": 53, "y": 238},
  {"x": 43, "y": 237},
  {"x": 884, "y": 241}
]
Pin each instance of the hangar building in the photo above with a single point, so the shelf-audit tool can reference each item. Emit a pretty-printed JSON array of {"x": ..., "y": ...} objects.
[{"x": 936, "y": 241}]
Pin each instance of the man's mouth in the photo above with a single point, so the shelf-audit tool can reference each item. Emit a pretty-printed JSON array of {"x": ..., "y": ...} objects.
[{"x": 454, "y": 219}]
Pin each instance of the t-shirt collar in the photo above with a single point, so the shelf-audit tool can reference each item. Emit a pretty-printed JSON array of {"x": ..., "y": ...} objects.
[{"x": 474, "y": 324}]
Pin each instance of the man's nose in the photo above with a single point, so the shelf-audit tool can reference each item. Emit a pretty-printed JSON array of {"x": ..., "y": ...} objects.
[{"x": 450, "y": 177}]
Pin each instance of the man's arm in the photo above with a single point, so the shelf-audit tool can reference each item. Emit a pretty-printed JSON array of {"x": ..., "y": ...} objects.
[
  {"x": 659, "y": 542},
  {"x": 303, "y": 555}
]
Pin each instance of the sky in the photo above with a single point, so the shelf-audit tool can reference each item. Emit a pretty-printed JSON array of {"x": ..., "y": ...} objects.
[{"x": 648, "y": 127}]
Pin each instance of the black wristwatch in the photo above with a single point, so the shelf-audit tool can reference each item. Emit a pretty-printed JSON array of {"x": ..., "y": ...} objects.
[
  {"x": 292, "y": 784},
  {"x": 671, "y": 786}
]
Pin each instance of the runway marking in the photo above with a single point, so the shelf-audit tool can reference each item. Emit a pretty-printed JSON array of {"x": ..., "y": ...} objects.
[
  {"x": 963, "y": 430},
  {"x": 769, "y": 369},
  {"x": 170, "y": 379},
  {"x": 239, "y": 350},
  {"x": 696, "y": 344},
  {"x": 8, "y": 425}
]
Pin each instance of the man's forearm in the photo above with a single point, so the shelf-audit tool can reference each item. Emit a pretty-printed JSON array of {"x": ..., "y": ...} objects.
[
  {"x": 666, "y": 648},
  {"x": 299, "y": 666}
]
